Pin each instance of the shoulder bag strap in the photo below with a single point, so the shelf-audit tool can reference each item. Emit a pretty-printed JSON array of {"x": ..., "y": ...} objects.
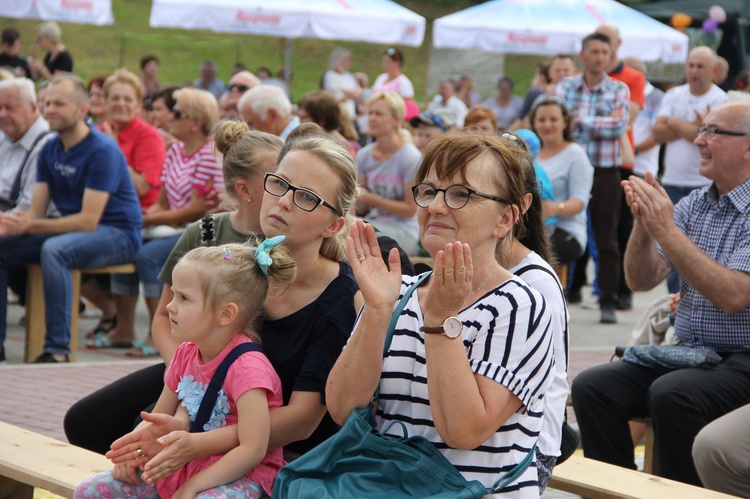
[
  {"x": 394, "y": 318},
  {"x": 515, "y": 473},
  {"x": 212, "y": 392},
  {"x": 16, "y": 189}
]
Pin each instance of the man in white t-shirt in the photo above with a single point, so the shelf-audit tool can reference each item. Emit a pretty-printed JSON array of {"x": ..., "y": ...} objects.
[
  {"x": 682, "y": 111},
  {"x": 646, "y": 148},
  {"x": 448, "y": 105}
]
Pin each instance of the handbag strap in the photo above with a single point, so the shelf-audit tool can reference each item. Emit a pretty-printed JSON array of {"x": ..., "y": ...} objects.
[
  {"x": 514, "y": 474},
  {"x": 212, "y": 392},
  {"x": 394, "y": 319},
  {"x": 16, "y": 189}
]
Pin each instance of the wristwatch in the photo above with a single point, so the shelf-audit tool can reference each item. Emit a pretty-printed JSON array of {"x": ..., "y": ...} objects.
[{"x": 451, "y": 328}]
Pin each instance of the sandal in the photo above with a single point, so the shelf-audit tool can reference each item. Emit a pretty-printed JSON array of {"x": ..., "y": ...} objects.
[
  {"x": 142, "y": 349},
  {"x": 104, "y": 326},
  {"x": 102, "y": 341}
]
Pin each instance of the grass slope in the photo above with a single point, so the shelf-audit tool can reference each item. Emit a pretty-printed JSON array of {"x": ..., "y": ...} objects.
[{"x": 98, "y": 49}]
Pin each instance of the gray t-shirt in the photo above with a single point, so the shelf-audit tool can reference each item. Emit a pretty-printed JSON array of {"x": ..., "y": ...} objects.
[
  {"x": 387, "y": 179},
  {"x": 571, "y": 174}
]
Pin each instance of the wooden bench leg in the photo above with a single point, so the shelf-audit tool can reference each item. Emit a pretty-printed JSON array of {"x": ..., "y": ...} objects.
[
  {"x": 35, "y": 326},
  {"x": 649, "y": 455},
  {"x": 11, "y": 489}
]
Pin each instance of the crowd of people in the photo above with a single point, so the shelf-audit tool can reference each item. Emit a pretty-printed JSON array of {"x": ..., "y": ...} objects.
[{"x": 253, "y": 220}]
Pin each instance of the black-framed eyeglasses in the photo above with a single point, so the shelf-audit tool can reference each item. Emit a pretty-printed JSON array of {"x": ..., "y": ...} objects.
[
  {"x": 304, "y": 199},
  {"x": 712, "y": 131},
  {"x": 456, "y": 196},
  {"x": 238, "y": 87}
]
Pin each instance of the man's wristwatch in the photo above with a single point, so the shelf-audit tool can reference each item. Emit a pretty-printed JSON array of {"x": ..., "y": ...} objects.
[{"x": 451, "y": 328}]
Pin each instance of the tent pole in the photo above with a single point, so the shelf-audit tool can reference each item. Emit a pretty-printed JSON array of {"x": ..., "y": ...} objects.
[{"x": 288, "y": 60}]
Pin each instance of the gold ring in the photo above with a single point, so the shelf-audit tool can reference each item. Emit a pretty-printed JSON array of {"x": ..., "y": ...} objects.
[
  {"x": 361, "y": 257},
  {"x": 139, "y": 453}
]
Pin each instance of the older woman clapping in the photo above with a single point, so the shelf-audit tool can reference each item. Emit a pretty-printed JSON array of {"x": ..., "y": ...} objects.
[{"x": 455, "y": 371}]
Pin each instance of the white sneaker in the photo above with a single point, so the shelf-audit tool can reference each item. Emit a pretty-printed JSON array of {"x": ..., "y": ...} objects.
[{"x": 591, "y": 303}]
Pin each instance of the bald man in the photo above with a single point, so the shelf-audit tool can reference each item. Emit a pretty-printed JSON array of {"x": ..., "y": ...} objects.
[{"x": 682, "y": 111}]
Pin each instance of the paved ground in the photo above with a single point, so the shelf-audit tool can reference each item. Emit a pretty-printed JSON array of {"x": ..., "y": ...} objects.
[{"x": 36, "y": 397}]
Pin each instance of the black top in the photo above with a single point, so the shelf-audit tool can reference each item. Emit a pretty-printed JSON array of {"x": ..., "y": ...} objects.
[
  {"x": 14, "y": 62},
  {"x": 62, "y": 62},
  {"x": 304, "y": 346}
]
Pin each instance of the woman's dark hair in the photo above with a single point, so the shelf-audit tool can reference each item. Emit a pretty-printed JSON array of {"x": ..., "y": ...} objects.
[
  {"x": 554, "y": 101},
  {"x": 396, "y": 55},
  {"x": 166, "y": 93},
  {"x": 323, "y": 108},
  {"x": 148, "y": 58},
  {"x": 98, "y": 81},
  {"x": 505, "y": 79},
  {"x": 531, "y": 231}
]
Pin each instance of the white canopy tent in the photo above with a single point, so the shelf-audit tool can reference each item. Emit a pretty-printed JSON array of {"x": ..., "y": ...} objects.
[
  {"x": 548, "y": 27},
  {"x": 70, "y": 11},
  {"x": 375, "y": 21}
]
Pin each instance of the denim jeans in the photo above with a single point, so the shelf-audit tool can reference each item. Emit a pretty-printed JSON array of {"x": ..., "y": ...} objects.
[
  {"x": 676, "y": 193},
  {"x": 148, "y": 263},
  {"x": 58, "y": 254}
]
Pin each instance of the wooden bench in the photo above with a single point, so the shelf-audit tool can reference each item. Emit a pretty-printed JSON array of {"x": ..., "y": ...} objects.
[
  {"x": 35, "y": 328},
  {"x": 29, "y": 460},
  {"x": 597, "y": 480}
]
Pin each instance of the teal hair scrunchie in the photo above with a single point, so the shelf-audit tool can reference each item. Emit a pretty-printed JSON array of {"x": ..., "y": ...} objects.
[{"x": 261, "y": 254}]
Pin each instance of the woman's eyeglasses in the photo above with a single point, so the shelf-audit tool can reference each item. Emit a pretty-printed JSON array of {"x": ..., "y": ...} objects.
[
  {"x": 304, "y": 200},
  {"x": 456, "y": 196}
]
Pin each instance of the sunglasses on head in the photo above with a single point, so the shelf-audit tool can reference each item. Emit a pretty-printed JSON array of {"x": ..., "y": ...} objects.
[
  {"x": 238, "y": 87},
  {"x": 394, "y": 54}
]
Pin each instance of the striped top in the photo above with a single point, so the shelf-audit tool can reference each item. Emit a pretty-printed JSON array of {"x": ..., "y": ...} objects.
[
  {"x": 182, "y": 174},
  {"x": 507, "y": 335}
]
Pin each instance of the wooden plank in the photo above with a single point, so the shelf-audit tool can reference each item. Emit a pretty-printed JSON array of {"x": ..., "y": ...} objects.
[
  {"x": 597, "y": 480},
  {"x": 41, "y": 461}
]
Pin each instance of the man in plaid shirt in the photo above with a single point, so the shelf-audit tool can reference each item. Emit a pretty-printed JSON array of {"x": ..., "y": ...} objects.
[
  {"x": 599, "y": 106},
  {"x": 706, "y": 238}
]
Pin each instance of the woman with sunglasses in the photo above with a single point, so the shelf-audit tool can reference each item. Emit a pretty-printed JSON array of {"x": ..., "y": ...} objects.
[
  {"x": 190, "y": 173},
  {"x": 392, "y": 79},
  {"x": 457, "y": 371},
  {"x": 306, "y": 324}
]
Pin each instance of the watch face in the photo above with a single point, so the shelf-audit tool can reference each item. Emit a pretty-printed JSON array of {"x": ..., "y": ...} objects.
[{"x": 452, "y": 327}]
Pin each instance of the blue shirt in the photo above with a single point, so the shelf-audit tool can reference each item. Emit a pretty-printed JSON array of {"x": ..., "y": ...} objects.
[
  {"x": 720, "y": 227},
  {"x": 94, "y": 163},
  {"x": 598, "y": 131}
]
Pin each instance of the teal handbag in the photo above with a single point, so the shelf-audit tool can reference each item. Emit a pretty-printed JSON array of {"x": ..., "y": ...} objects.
[{"x": 361, "y": 462}]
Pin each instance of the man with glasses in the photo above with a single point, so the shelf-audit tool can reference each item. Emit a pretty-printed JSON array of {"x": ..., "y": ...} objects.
[
  {"x": 238, "y": 84},
  {"x": 682, "y": 110},
  {"x": 706, "y": 238}
]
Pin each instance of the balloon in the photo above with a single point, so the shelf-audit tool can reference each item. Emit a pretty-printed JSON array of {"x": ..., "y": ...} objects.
[
  {"x": 717, "y": 13},
  {"x": 710, "y": 26},
  {"x": 680, "y": 20}
]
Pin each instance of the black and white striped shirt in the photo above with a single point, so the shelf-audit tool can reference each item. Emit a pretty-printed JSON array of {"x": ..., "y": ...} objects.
[{"x": 508, "y": 338}]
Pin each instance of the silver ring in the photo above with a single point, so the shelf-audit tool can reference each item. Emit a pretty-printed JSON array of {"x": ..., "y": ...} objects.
[
  {"x": 139, "y": 453},
  {"x": 448, "y": 271},
  {"x": 361, "y": 257}
]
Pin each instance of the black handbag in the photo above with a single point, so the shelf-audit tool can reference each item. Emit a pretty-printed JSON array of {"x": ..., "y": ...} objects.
[{"x": 361, "y": 462}]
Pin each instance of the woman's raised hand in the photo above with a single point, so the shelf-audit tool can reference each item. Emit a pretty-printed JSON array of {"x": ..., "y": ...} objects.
[
  {"x": 380, "y": 287},
  {"x": 450, "y": 283}
]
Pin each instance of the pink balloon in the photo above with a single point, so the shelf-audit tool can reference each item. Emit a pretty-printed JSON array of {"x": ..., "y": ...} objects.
[
  {"x": 710, "y": 26},
  {"x": 717, "y": 13}
]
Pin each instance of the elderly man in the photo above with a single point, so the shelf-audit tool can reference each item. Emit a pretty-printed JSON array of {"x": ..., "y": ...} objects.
[
  {"x": 448, "y": 105},
  {"x": 706, "y": 238},
  {"x": 682, "y": 110},
  {"x": 239, "y": 83},
  {"x": 84, "y": 173},
  {"x": 267, "y": 108},
  {"x": 208, "y": 79},
  {"x": 599, "y": 107}
]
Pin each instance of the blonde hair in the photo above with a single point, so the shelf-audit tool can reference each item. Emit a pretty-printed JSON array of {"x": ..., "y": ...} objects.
[
  {"x": 244, "y": 151},
  {"x": 394, "y": 102},
  {"x": 230, "y": 273},
  {"x": 342, "y": 163},
  {"x": 122, "y": 75},
  {"x": 51, "y": 30},
  {"x": 199, "y": 105}
]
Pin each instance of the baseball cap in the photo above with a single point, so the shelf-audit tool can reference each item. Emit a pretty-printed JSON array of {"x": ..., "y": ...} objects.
[{"x": 429, "y": 119}]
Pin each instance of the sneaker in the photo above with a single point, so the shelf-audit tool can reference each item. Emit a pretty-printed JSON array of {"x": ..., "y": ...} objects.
[
  {"x": 49, "y": 358},
  {"x": 608, "y": 314},
  {"x": 624, "y": 302},
  {"x": 591, "y": 303}
]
